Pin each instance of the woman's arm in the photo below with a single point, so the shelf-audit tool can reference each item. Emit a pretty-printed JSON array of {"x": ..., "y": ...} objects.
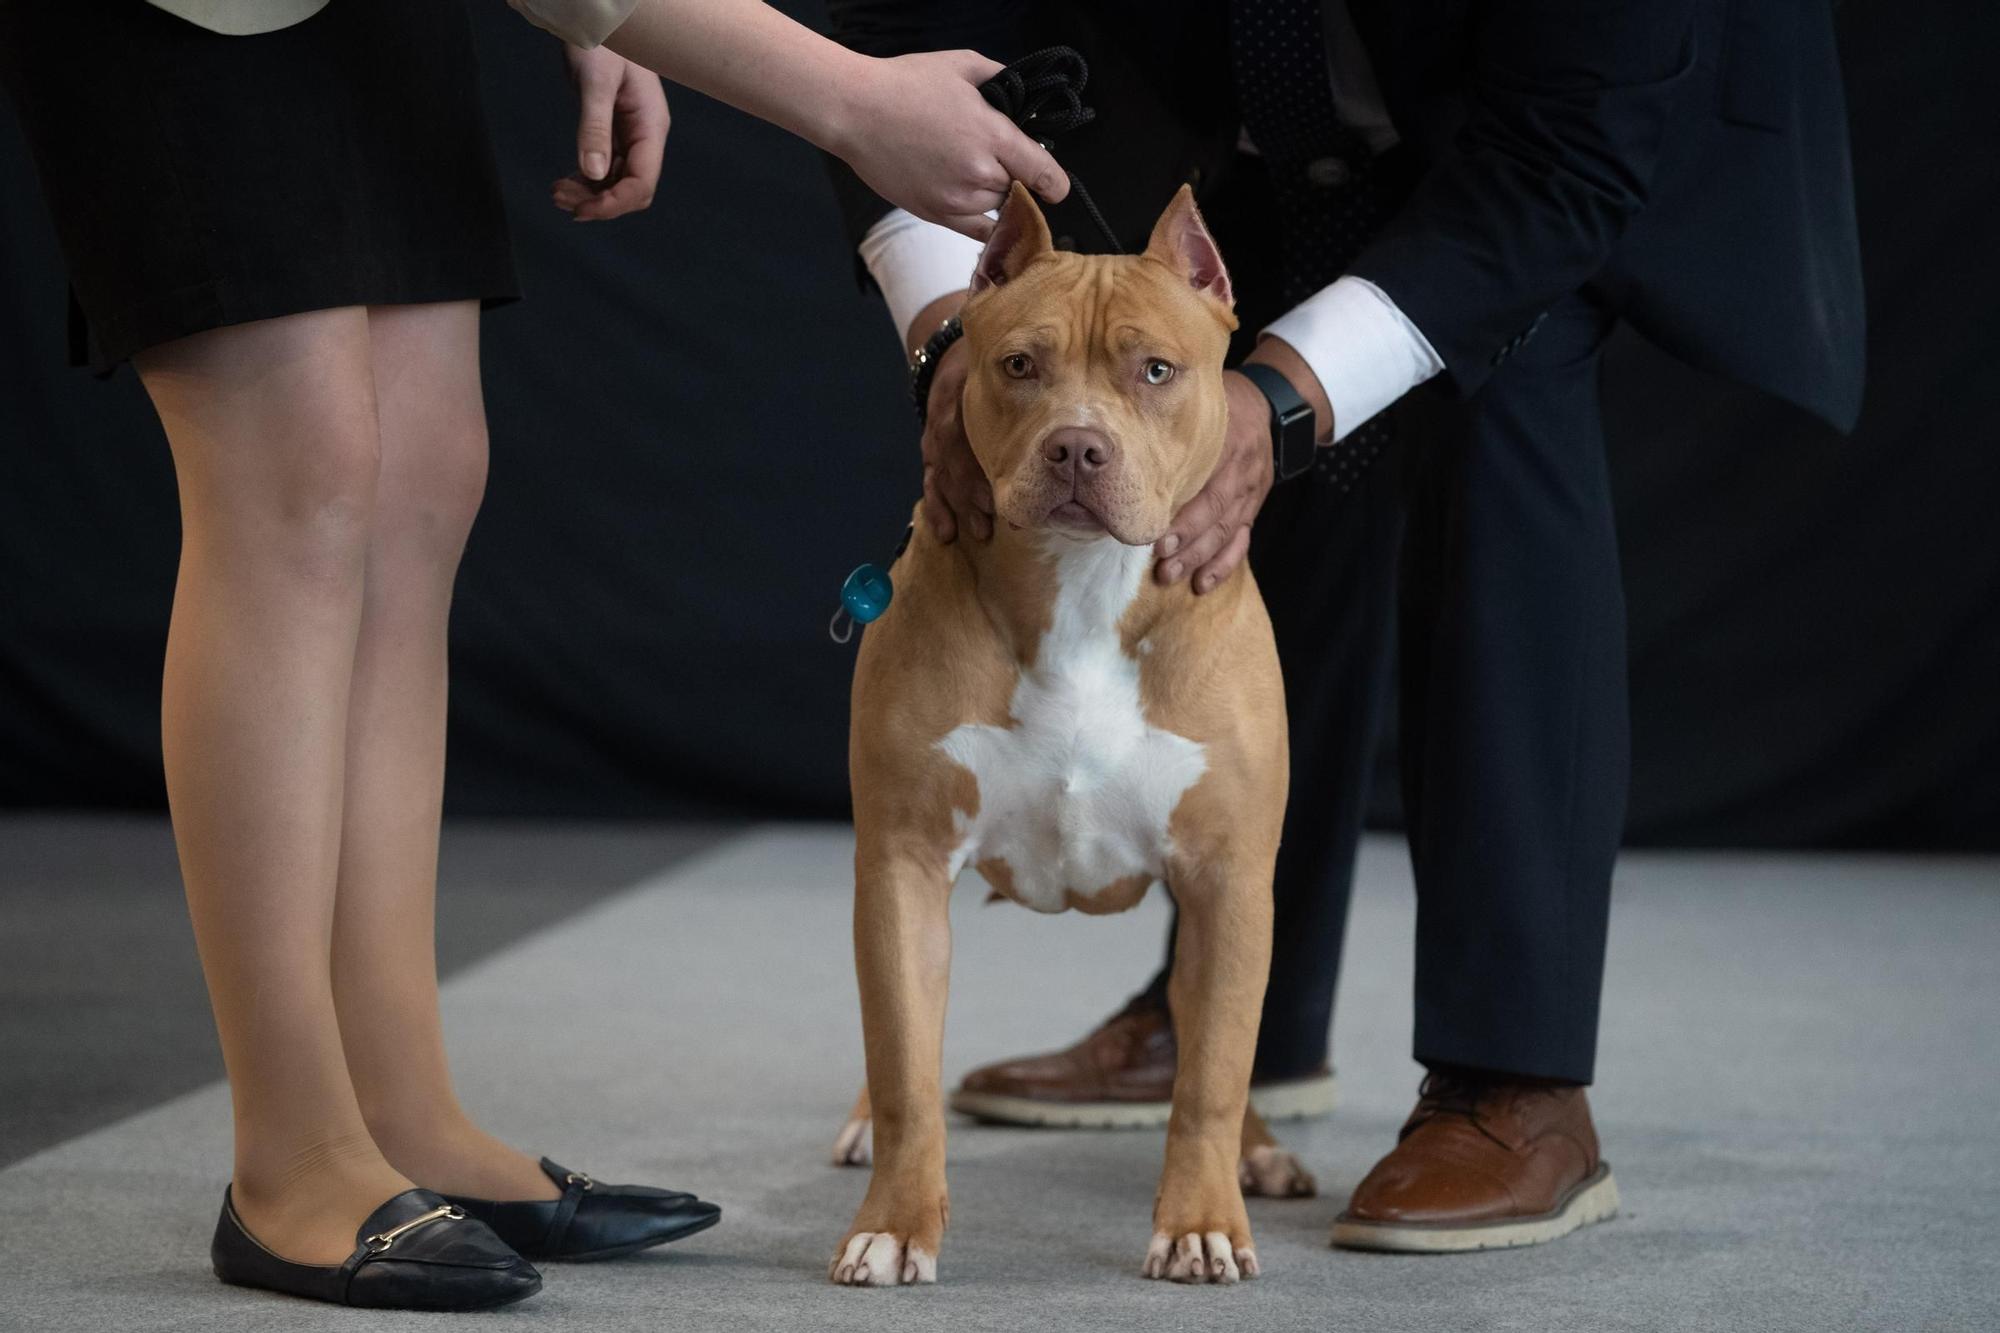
[{"x": 914, "y": 128}]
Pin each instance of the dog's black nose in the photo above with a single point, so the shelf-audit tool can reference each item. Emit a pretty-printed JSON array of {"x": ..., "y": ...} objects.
[{"x": 1075, "y": 448}]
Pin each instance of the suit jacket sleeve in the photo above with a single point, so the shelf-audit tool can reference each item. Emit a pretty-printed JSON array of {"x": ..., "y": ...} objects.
[
  {"x": 1564, "y": 116},
  {"x": 994, "y": 28}
]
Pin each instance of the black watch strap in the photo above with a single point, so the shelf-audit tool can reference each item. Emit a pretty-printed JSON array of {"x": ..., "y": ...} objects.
[
  {"x": 923, "y": 366},
  {"x": 1294, "y": 432}
]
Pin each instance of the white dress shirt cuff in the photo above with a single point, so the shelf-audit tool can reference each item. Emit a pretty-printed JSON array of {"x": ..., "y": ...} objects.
[
  {"x": 1365, "y": 351},
  {"x": 915, "y": 262}
]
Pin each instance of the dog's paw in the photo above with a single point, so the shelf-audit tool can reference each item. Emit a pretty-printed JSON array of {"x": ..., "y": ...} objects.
[
  {"x": 1270, "y": 1172},
  {"x": 856, "y": 1144},
  {"x": 1199, "y": 1257},
  {"x": 881, "y": 1259}
]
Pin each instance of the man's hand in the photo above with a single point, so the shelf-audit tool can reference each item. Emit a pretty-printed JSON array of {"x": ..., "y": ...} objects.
[
  {"x": 621, "y": 132},
  {"x": 1211, "y": 534},
  {"x": 956, "y": 492}
]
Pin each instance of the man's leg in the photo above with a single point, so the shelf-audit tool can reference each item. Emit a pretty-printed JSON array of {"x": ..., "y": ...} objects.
[
  {"x": 1516, "y": 760},
  {"x": 1326, "y": 560},
  {"x": 1517, "y": 740}
]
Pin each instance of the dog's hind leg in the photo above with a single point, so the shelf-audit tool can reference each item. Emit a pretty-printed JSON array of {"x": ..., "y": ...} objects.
[
  {"x": 855, "y": 1144},
  {"x": 1265, "y": 1168},
  {"x": 902, "y": 949}
]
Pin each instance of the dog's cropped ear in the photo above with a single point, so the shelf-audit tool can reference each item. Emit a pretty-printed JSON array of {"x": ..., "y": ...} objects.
[
  {"x": 1019, "y": 237},
  {"x": 1181, "y": 242}
]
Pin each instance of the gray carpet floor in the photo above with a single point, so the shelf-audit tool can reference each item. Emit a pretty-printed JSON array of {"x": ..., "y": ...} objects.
[
  {"x": 102, "y": 1011},
  {"x": 1799, "y": 1091}
]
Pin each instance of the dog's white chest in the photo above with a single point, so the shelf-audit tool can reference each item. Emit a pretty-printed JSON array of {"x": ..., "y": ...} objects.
[{"x": 1076, "y": 794}]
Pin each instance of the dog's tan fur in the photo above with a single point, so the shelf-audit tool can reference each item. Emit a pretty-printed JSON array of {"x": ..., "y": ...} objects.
[{"x": 967, "y": 622}]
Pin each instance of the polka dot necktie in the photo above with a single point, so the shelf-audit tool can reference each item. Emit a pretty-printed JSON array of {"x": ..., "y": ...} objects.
[{"x": 1331, "y": 199}]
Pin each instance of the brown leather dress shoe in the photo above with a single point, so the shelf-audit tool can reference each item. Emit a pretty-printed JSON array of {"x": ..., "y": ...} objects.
[
  {"x": 1120, "y": 1076},
  {"x": 1483, "y": 1164}
]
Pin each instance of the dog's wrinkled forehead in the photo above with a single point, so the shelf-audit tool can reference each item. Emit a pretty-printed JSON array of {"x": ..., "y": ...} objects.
[
  {"x": 1072, "y": 306},
  {"x": 1176, "y": 293}
]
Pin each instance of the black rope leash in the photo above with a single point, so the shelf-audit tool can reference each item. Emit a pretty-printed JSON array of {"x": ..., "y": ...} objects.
[{"x": 1043, "y": 94}]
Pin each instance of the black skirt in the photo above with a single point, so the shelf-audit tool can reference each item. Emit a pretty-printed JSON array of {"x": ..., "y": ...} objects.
[{"x": 198, "y": 180}]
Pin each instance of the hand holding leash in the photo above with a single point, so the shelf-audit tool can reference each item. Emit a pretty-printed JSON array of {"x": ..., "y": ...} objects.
[{"x": 920, "y": 136}]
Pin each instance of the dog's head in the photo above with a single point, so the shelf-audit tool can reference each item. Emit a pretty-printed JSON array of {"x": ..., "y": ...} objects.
[{"x": 1094, "y": 397}]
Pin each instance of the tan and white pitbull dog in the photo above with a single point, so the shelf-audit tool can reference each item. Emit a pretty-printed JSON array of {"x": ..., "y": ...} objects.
[{"x": 1037, "y": 708}]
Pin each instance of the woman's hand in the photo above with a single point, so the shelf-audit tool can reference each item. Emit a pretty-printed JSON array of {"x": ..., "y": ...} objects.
[
  {"x": 916, "y": 130},
  {"x": 621, "y": 132},
  {"x": 914, "y": 127}
]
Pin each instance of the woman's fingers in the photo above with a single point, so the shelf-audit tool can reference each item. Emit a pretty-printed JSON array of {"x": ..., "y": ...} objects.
[
  {"x": 927, "y": 142},
  {"x": 643, "y": 124},
  {"x": 1034, "y": 166},
  {"x": 597, "y": 77},
  {"x": 976, "y": 225},
  {"x": 975, "y": 67},
  {"x": 631, "y": 135},
  {"x": 627, "y": 195}
]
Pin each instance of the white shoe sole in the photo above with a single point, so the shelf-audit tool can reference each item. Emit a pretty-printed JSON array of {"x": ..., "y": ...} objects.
[
  {"x": 1291, "y": 1099},
  {"x": 1595, "y": 1200}
]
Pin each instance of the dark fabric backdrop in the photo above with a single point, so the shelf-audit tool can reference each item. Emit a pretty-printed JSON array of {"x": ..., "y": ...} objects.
[{"x": 698, "y": 428}]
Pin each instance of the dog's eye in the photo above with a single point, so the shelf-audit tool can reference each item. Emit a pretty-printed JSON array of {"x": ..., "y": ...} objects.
[
  {"x": 1158, "y": 371},
  {"x": 1019, "y": 366}
]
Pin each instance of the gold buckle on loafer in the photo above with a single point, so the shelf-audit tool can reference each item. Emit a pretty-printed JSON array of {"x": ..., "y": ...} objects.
[{"x": 382, "y": 1240}]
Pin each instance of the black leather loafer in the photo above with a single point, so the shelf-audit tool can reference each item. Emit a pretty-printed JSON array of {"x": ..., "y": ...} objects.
[
  {"x": 415, "y": 1252},
  {"x": 592, "y": 1220}
]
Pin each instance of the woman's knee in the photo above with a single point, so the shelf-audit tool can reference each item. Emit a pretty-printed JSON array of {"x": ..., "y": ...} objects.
[
  {"x": 306, "y": 518},
  {"x": 326, "y": 498},
  {"x": 431, "y": 493},
  {"x": 433, "y": 421},
  {"x": 275, "y": 443}
]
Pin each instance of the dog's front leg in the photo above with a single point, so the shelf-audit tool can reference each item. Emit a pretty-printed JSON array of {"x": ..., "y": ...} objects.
[
  {"x": 1222, "y": 955},
  {"x": 902, "y": 950}
]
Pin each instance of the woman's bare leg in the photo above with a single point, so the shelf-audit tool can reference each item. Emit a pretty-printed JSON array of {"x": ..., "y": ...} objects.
[
  {"x": 273, "y": 432},
  {"x": 433, "y": 431}
]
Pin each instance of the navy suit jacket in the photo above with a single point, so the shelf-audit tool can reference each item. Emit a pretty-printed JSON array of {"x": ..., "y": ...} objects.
[{"x": 1684, "y": 160}]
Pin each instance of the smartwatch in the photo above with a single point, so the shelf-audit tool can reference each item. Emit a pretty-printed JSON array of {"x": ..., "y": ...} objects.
[{"x": 1294, "y": 432}]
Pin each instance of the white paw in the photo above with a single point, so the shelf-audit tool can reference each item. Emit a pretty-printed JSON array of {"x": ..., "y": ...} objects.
[
  {"x": 879, "y": 1259},
  {"x": 1199, "y": 1258},
  {"x": 1272, "y": 1173},
  {"x": 856, "y": 1144}
]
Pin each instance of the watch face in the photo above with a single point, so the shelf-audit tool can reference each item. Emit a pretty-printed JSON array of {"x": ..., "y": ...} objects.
[
  {"x": 1293, "y": 446},
  {"x": 1296, "y": 447}
]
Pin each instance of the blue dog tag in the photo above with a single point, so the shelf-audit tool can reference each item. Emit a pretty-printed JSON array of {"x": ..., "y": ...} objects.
[{"x": 866, "y": 593}]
